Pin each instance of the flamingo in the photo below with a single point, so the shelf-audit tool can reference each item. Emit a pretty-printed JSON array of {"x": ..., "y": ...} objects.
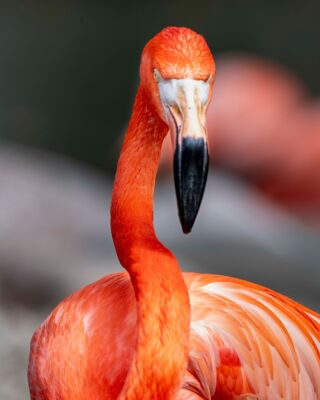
[
  {"x": 253, "y": 97},
  {"x": 260, "y": 106},
  {"x": 152, "y": 332}
]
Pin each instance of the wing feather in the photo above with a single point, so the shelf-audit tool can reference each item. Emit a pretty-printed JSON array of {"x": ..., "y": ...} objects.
[{"x": 272, "y": 342}]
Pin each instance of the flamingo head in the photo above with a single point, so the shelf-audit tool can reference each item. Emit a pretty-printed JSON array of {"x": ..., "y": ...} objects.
[{"x": 177, "y": 70}]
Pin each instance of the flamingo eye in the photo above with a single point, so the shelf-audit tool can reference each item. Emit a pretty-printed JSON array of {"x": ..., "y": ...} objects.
[{"x": 157, "y": 75}]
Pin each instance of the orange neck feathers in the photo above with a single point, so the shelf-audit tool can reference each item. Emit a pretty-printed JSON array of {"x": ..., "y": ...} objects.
[
  {"x": 132, "y": 199},
  {"x": 162, "y": 299}
]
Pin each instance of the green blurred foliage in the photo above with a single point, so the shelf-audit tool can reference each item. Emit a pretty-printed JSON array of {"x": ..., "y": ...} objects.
[{"x": 69, "y": 69}]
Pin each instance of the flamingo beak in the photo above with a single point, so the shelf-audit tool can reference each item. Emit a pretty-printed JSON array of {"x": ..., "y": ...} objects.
[
  {"x": 185, "y": 103},
  {"x": 190, "y": 163}
]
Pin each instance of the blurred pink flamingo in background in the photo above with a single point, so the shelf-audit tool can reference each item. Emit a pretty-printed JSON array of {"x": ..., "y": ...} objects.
[{"x": 293, "y": 177}]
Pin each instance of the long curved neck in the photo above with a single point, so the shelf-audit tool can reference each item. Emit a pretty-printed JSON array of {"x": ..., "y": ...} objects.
[{"x": 162, "y": 299}]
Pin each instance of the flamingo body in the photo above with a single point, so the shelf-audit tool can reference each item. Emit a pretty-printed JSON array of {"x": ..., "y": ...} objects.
[
  {"x": 293, "y": 177},
  {"x": 245, "y": 340},
  {"x": 153, "y": 332}
]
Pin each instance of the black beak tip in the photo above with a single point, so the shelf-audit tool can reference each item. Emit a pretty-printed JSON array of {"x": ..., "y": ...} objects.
[
  {"x": 186, "y": 228},
  {"x": 190, "y": 173},
  {"x": 187, "y": 221}
]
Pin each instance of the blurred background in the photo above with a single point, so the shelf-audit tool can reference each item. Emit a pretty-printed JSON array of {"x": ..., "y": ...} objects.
[{"x": 68, "y": 75}]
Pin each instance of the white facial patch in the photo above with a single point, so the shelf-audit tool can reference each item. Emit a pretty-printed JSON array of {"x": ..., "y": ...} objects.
[{"x": 191, "y": 90}]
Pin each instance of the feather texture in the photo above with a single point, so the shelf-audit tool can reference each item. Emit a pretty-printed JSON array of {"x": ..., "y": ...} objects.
[
  {"x": 246, "y": 342},
  {"x": 249, "y": 340}
]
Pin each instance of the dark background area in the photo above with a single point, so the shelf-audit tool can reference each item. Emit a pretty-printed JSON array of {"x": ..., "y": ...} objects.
[{"x": 68, "y": 69}]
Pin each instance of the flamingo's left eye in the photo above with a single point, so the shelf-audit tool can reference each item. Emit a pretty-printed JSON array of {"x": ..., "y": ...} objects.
[{"x": 157, "y": 75}]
